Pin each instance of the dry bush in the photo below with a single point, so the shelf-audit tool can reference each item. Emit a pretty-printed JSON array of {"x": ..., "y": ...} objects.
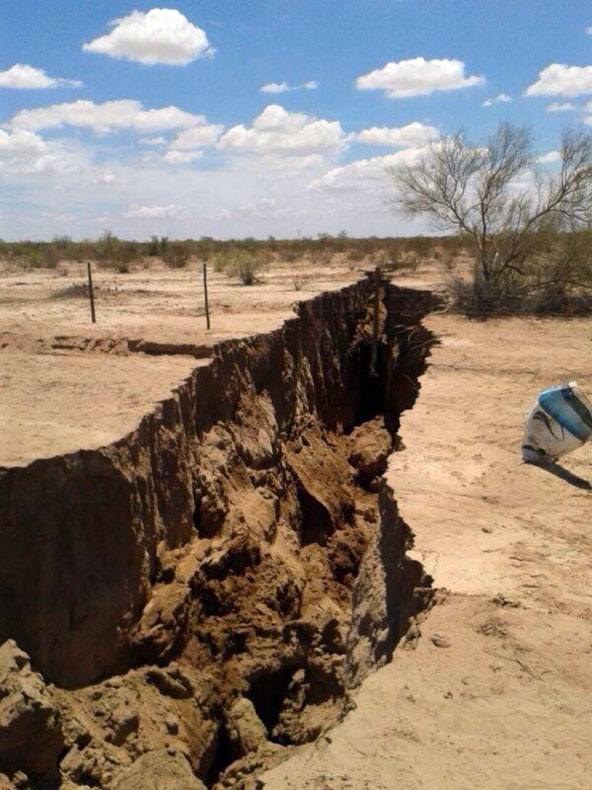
[
  {"x": 42, "y": 256},
  {"x": 300, "y": 280},
  {"x": 176, "y": 256},
  {"x": 321, "y": 255},
  {"x": 290, "y": 255},
  {"x": 120, "y": 256},
  {"x": 554, "y": 277},
  {"x": 248, "y": 265},
  {"x": 446, "y": 259},
  {"x": 356, "y": 254},
  {"x": 391, "y": 257},
  {"x": 223, "y": 260}
]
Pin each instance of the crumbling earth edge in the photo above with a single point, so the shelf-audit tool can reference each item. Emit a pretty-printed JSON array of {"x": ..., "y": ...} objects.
[{"x": 205, "y": 592}]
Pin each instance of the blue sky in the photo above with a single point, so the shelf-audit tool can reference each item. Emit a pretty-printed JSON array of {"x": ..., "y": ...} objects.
[{"x": 352, "y": 87}]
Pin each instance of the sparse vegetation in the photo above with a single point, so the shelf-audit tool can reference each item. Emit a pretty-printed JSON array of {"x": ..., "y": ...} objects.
[
  {"x": 527, "y": 229},
  {"x": 299, "y": 281},
  {"x": 176, "y": 255},
  {"x": 553, "y": 276},
  {"x": 247, "y": 265},
  {"x": 110, "y": 251}
]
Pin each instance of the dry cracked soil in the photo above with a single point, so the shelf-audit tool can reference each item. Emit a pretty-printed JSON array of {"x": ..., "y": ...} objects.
[
  {"x": 258, "y": 585},
  {"x": 492, "y": 689}
]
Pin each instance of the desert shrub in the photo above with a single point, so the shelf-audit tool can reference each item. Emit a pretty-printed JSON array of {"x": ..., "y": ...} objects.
[
  {"x": 474, "y": 297},
  {"x": 553, "y": 276},
  {"x": 42, "y": 256},
  {"x": 82, "y": 251},
  {"x": 176, "y": 255},
  {"x": 392, "y": 256},
  {"x": 412, "y": 260},
  {"x": 389, "y": 258},
  {"x": 290, "y": 255},
  {"x": 479, "y": 299},
  {"x": 50, "y": 256},
  {"x": 247, "y": 270},
  {"x": 247, "y": 265},
  {"x": 32, "y": 260},
  {"x": 446, "y": 258},
  {"x": 120, "y": 256},
  {"x": 555, "y": 299},
  {"x": 223, "y": 260},
  {"x": 420, "y": 246},
  {"x": 63, "y": 244},
  {"x": 205, "y": 248},
  {"x": 356, "y": 254},
  {"x": 300, "y": 280},
  {"x": 153, "y": 250},
  {"x": 105, "y": 246},
  {"x": 321, "y": 255}
]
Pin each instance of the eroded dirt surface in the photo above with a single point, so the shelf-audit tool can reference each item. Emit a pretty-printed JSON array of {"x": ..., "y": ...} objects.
[
  {"x": 198, "y": 590},
  {"x": 492, "y": 689},
  {"x": 67, "y": 383}
]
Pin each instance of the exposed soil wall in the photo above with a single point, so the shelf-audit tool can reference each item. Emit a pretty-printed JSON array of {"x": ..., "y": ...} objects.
[{"x": 193, "y": 582}]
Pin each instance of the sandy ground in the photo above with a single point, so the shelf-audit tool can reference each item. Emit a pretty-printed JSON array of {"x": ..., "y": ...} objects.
[
  {"x": 56, "y": 396},
  {"x": 496, "y": 692}
]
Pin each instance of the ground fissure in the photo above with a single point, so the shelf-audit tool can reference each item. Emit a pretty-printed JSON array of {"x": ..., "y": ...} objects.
[{"x": 216, "y": 582}]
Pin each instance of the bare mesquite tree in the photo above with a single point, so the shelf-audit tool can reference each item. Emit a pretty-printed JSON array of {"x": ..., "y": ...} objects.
[{"x": 521, "y": 219}]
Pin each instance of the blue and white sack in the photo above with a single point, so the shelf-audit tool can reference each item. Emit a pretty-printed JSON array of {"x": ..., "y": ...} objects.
[{"x": 559, "y": 421}]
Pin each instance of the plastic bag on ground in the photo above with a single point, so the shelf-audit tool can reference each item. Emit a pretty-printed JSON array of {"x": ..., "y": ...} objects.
[{"x": 559, "y": 422}]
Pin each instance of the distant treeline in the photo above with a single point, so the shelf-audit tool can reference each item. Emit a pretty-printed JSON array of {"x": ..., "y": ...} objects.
[
  {"x": 108, "y": 249},
  {"x": 552, "y": 274}
]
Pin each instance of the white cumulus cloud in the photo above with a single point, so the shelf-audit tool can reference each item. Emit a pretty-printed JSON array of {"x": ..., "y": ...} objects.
[
  {"x": 153, "y": 212},
  {"x": 561, "y": 80},
  {"x": 157, "y": 141},
  {"x": 185, "y": 147},
  {"x": 277, "y": 130},
  {"x": 557, "y": 106},
  {"x": 18, "y": 147},
  {"x": 418, "y": 77},
  {"x": 174, "y": 157},
  {"x": 276, "y": 163},
  {"x": 21, "y": 141},
  {"x": 161, "y": 35},
  {"x": 549, "y": 158},
  {"x": 275, "y": 87},
  {"x": 22, "y": 151},
  {"x": 104, "y": 177},
  {"x": 366, "y": 173},
  {"x": 501, "y": 98},
  {"x": 258, "y": 208},
  {"x": 23, "y": 76},
  {"x": 25, "y": 152},
  {"x": 411, "y": 135},
  {"x": 106, "y": 117},
  {"x": 197, "y": 136},
  {"x": 284, "y": 87}
]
